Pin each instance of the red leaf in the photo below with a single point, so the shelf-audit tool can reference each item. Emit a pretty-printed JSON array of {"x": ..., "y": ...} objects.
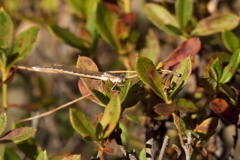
[
  {"x": 164, "y": 109},
  {"x": 108, "y": 150},
  {"x": 227, "y": 112},
  {"x": 188, "y": 48},
  {"x": 9, "y": 77}
]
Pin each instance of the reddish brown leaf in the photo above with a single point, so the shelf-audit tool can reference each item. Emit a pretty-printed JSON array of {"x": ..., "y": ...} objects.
[
  {"x": 177, "y": 149},
  {"x": 188, "y": 48},
  {"x": 203, "y": 151},
  {"x": 164, "y": 109},
  {"x": 108, "y": 150},
  {"x": 129, "y": 18},
  {"x": 227, "y": 112},
  {"x": 208, "y": 126},
  {"x": 9, "y": 77},
  {"x": 72, "y": 157}
]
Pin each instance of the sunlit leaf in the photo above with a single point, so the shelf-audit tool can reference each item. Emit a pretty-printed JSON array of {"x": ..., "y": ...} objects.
[
  {"x": 148, "y": 74},
  {"x": 189, "y": 47},
  {"x": 185, "y": 70},
  {"x": 82, "y": 124},
  {"x": 72, "y": 157},
  {"x": 227, "y": 112},
  {"x": 230, "y": 41},
  {"x": 105, "y": 22},
  {"x": 142, "y": 155},
  {"x": 162, "y": 18},
  {"x": 42, "y": 156},
  {"x": 23, "y": 44},
  {"x": 184, "y": 10},
  {"x": 231, "y": 68},
  {"x": 3, "y": 122},
  {"x": 207, "y": 127},
  {"x": 211, "y": 25},
  {"x": 6, "y": 29},
  {"x": 111, "y": 115},
  {"x": 18, "y": 134}
]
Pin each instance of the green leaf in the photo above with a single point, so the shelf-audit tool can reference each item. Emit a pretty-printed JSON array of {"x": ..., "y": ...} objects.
[
  {"x": 148, "y": 74},
  {"x": 142, "y": 155},
  {"x": 3, "y": 58},
  {"x": 18, "y": 134},
  {"x": 10, "y": 154},
  {"x": 29, "y": 148},
  {"x": 228, "y": 91},
  {"x": 230, "y": 41},
  {"x": 211, "y": 25},
  {"x": 42, "y": 156},
  {"x": 161, "y": 18},
  {"x": 185, "y": 70},
  {"x": 67, "y": 37},
  {"x": 231, "y": 68},
  {"x": 6, "y": 29},
  {"x": 111, "y": 115},
  {"x": 3, "y": 122},
  {"x": 82, "y": 124},
  {"x": 210, "y": 85},
  {"x": 186, "y": 106},
  {"x": 152, "y": 48},
  {"x": 105, "y": 22},
  {"x": 184, "y": 10},
  {"x": 23, "y": 44},
  {"x": 217, "y": 66}
]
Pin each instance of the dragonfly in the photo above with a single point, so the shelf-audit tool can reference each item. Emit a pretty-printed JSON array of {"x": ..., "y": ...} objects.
[{"x": 113, "y": 76}]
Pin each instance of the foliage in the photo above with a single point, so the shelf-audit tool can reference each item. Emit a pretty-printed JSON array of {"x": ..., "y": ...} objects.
[{"x": 207, "y": 55}]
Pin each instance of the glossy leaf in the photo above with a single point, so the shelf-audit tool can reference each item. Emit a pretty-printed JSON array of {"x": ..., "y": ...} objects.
[
  {"x": 188, "y": 48},
  {"x": 161, "y": 18},
  {"x": 227, "y": 112},
  {"x": 23, "y": 44},
  {"x": 42, "y": 156},
  {"x": 217, "y": 69},
  {"x": 148, "y": 74},
  {"x": 152, "y": 48},
  {"x": 6, "y": 28},
  {"x": 207, "y": 127},
  {"x": 211, "y": 25},
  {"x": 229, "y": 92},
  {"x": 186, "y": 106},
  {"x": 210, "y": 85},
  {"x": 111, "y": 115},
  {"x": 231, "y": 68},
  {"x": 184, "y": 10},
  {"x": 105, "y": 22},
  {"x": 10, "y": 154},
  {"x": 72, "y": 157},
  {"x": 18, "y": 134},
  {"x": 131, "y": 94},
  {"x": 82, "y": 124},
  {"x": 3, "y": 122},
  {"x": 164, "y": 109},
  {"x": 185, "y": 70},
  {"x": 230, "y": 41},
  {"x": 68, "y": 37}
]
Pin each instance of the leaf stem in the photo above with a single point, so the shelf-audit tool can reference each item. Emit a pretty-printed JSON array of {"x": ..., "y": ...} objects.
[{"x": 4, "y": 88}]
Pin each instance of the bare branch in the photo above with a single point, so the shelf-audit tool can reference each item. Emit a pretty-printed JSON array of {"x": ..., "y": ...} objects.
[{"x": 164, "y": 145}]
